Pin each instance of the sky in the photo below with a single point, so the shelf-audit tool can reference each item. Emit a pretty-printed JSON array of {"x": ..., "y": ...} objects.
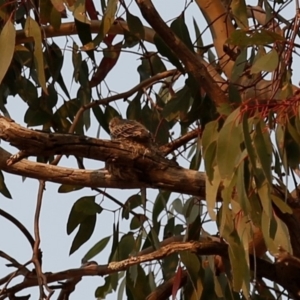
[{"x": 56, "y": 207}]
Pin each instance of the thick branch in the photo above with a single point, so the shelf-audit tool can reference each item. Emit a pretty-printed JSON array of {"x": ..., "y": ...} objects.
[
  {"x": 158, "y": 171},
  {"x": 221, "y": 27},
  {"x": 67, "y": 29},
  {"x": 201, "y": 248},
  {"x": 189, "y": 59}
]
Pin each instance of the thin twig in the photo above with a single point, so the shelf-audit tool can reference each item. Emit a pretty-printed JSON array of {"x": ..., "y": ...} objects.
[
  {"x": 36, "y": 256},
  {"x": 18, "y": 224},
  {"x": 168, "y": 148}
]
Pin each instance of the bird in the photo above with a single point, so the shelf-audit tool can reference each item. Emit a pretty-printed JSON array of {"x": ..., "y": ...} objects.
[{"x": 131, "y": 130}]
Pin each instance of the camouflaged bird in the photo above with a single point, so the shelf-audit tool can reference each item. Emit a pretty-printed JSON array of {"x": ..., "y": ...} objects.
[{"x": 129, "y": 130}]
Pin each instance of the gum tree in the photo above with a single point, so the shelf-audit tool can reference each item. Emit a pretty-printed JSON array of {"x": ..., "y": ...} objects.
[{"x": 228, "y": 107}]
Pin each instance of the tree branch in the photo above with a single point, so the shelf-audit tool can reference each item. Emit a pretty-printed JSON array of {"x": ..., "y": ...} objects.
[
  {"x": 168, "y": 148},
  {"x": 156, "y": 171},
  {"x": 189, "y": 59},
  {"x": 66, "y": 29},
  {"x": 265, "y": 269}
]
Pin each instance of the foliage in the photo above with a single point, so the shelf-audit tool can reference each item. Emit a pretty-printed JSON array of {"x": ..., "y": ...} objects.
[{"x": 210, "y": 107}]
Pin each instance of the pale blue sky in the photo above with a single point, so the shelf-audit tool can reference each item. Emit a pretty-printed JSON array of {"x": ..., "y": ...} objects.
[{"x": 56, "y": 207}]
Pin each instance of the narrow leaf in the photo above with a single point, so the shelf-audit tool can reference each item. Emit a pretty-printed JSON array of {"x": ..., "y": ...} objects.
[
  {"x": 7, "y": 42},
  {"x": 84, "y": 233},
  {"x": 135, "y": 26},
  {"x": 181, "y": 30},
  {"x": 228, "y": 149},
  {"x": 267, "y": 63},
  {"x": 107, "y": 20},
  {"x": 32, "y": 29},
  {"x": 3, "y": 189},
  {"x": 96, "y": 249}
]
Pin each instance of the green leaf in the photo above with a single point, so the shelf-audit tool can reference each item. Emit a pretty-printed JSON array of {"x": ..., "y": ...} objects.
[
  {"x": 267, "y": 63},
  {"x": 282, "y": 236},
  {"x": 98, "y": 113},
  {"x": 76, "y": 60},
  {"x": 283, "y": 206},
  {"x": 96, "y": 249},
  {"x": 262, "y": 37},
  {"x": 192, "y": 264},
  {"x": 36, "y": 117},
  {"x": 137, "y": 283},
  {"x": 265, "y": 199},
  {"x": 107, "y": 20},
  {"x": 66, "y": 112},
  {"x": 160, "y": 204},
  {"x": 131, "y": 203},
  {"x": 82, "y": 209},
  {"x": 242, "y": 184},
  {"x": 84, "y": 95},
  {"x": 109, "y": 113},
  {"x": 3, "y": 188},
  {"x": 154, "y": 239},
  {"x": 180, "y": 29},
  {"x": 85, "y": 231},
  {"x": 102, "y": 291},
  {"x": 239, "y": 38},
  {"x": 135, "y": 26},
  {"x": 134, "y": 108},
  {"x": 150, "y": 66},
  {"x": 164, "y": 50},
  {"x": 293, "y": 132},
  {"x": 211, "y": 191},
  {"x": 198, "y": 37},
  {"x": 154, "y": 122},
  {"x": 266, "y": 229},
  {"x": 180, "y": 103},
  {"x": 169, "y": 228},
  {"x": 137, "y": 221},
  {"x": 54, "y": 60},
  {"x": 61, "y": 83},
  {"x": 234, "y": 96},
  {"x": 66, "y": 188},
  {"x": 85, "y": 36},
  {"x": 246, "y": 124},
  {"x": 23, "y": 55},
  {"x": 126, "y": 247},
  {"x": 47, "y": 102},
  {"x": 238, "y": 261},
  {"x": 196, "y": 160},
  {"x": 239, "y": 10},
  {"x": 210, "y": 135},
  {"x": 169, "y": 266},
  {"x": 7, "y": 42},
  {"x": 121, "y": 289},
  {"x": 263, "y": 147},
  {"x": 228, "y": 148},
  {"x": 28, "y": 92},
  {"x": 191, "y": 210},
  {"x": 291, "y": 151},
  {"x": 210, "y": 160},
  {"x": 239, "y": 66},
  {"x": 115, "y": 243},
  {"x": 177, "y": 205},
  {"x": 32, "y": 29},
  {"x": 79, "y": 11}
]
